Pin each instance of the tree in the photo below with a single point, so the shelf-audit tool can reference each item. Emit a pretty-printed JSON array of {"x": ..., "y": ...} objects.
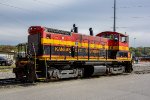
[{"x": 7, "y": 48}]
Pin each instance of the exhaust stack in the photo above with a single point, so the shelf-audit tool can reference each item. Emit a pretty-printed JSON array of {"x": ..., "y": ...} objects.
[
  {"x": 91, "y": 31},
  {"x": 75, "y": 29}
]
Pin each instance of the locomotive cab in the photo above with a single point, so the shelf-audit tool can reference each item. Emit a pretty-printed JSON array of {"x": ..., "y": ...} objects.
[
  {"x": 21, "y": 51},
  {"x": 117, "y": 44}
]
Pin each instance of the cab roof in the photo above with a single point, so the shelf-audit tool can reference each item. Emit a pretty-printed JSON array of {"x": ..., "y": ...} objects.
[{"x": 110, "y": 32}]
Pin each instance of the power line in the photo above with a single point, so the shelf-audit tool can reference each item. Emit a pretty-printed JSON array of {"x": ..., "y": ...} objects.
[
  {"x": 26, "y": 10},
  {"x": 14, "y": 19},
  {"x": 48, "y": 3},
  {"x": 12, "y": 6},
  {"x": 41, "y": 2}
]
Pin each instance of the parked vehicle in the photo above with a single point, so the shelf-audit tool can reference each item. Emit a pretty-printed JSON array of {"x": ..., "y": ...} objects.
[{"x": 5, "y": 61}]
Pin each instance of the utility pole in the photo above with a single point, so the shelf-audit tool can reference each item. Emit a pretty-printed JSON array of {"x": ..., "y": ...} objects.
[
  {"x": 134, "y": 43},
  {"x": 114, "y": 27}
]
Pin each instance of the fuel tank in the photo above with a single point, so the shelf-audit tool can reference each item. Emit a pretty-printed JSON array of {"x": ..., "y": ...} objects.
[{"x": 99, "y": 70}]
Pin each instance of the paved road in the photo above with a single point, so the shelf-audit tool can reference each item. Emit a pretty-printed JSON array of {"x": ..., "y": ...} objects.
[{"x": 124, "y": 87}]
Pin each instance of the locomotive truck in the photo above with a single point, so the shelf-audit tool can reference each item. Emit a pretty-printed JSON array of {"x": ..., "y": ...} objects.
[{"x": 57, "y": 54}]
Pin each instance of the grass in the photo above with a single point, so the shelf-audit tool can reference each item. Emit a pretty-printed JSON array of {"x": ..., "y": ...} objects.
[
  {"x": 5, "y": 70},
  {"x": 7, "y": 67}
]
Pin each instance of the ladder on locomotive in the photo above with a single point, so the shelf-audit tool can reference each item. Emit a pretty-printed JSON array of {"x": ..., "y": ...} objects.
[{"x": 39, "y": 73}]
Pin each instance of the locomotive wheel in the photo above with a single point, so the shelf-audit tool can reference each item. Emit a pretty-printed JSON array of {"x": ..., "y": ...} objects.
[
  {"x": 19, "y": 77},
  {"x": 31, "y": 76},
  {"x": 19, "y": 73},
  {"x": 88, "y": 71},
  {"x": 128, "y": 68}
]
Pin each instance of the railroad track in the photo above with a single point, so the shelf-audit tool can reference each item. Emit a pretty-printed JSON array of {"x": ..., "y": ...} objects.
[
  {"x": 142, "y": 72},
  {"x": 7, "y": 81},
  {"x": 12, "y": 83}
]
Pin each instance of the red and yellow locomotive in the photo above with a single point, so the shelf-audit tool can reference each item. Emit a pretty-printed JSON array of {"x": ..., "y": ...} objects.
[{"x": 52, "y": 53}]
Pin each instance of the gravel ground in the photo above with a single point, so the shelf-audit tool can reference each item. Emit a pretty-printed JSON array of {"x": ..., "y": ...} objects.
[
  {"x": 6, "y": 73},
  {"x": 120, "y": 87},
  {"x": 133, "y": 86},
  {"x": 141, "y": 68}
]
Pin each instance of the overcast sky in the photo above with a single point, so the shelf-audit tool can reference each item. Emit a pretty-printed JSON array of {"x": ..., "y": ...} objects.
[{"x": 133, "y": 17}]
